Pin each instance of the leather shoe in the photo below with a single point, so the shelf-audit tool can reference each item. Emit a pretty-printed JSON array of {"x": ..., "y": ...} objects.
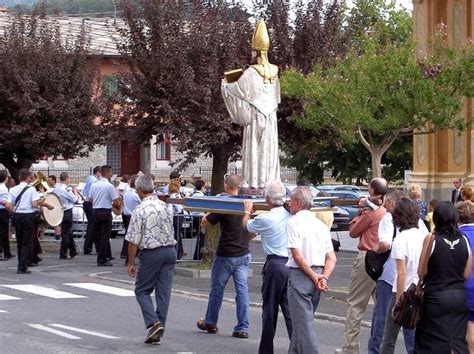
[
  {"x": 107, "y": 264},
  {"x": 110, "y": 258},
  {"x": 24, "y": 272}
]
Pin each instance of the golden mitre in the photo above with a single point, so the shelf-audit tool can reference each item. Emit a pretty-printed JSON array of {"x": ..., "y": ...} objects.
[{"x": 261, "y": 39}]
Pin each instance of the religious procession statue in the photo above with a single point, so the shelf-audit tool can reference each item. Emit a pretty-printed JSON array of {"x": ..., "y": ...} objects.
[{"x": 252, "y": 97}]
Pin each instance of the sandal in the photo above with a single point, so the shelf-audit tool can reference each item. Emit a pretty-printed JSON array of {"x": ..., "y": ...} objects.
[
  {"x": 240, "y": 334},
  {"x": 204, "y": 327}
]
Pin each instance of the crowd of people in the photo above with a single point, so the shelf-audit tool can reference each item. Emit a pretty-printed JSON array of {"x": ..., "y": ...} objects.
[{"x": 299, "y": 253}]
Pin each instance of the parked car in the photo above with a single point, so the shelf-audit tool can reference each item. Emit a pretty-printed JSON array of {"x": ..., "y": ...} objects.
[
  {"x": 349, "y": 195},
  {"x": 79, "y": 223},
  {"x": 339, "y": 187},
  {"x": 341, "y": 216}
]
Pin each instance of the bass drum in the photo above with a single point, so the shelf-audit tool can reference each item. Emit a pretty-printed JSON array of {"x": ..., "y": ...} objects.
[{"x": 53, "y": 217}]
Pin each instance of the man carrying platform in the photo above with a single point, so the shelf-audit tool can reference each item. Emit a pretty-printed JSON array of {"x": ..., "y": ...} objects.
[
  {"x": 232, "y": 259},
  {"x": 271, "y": 227}
]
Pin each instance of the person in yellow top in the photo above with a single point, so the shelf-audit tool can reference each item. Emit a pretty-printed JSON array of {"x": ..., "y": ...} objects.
[{"x": 429, "y": 216}]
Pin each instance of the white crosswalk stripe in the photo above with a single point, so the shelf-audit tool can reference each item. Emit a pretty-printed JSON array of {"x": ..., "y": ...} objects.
[
  {"x": 3, "y": 311},
  {"x": 8, "y": 297},
  {"x": 79, "y": 330},
  {"x": 103, "y": 289},
  {"x": 53, "y": 331},
  {"x": 44, "y": 291}
]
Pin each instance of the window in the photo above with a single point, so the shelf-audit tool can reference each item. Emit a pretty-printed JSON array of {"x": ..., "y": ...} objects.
[
  {"x": 163, "y": 147},
  {"x": 113, "y": 157},
  {"x": 110, "y": 85}
]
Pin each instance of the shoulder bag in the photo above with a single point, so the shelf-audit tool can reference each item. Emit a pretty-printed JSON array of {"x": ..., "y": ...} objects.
[
  {"x": 407, "y": 311},
  {"x": 375, "y": 261}
]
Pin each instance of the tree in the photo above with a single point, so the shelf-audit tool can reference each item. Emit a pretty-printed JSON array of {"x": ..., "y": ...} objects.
[
  {"x": 46, "y": 94},
  {"x": 177, "y": 56},
  {"x": 381, "y": 92}
]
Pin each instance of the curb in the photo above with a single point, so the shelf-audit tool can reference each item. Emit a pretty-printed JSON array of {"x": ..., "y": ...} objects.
[{"x": 317, "y": 315}]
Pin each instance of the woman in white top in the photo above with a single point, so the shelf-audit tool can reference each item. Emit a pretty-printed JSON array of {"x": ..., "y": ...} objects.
[{"x": 406, "y": 250}]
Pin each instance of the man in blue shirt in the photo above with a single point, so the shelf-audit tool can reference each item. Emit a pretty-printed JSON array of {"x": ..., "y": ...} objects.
[
  {"x": 271, "y": 227},
  {"x": 130, "y": 201},
  {"x": 91, "y": 238},
  {"x": 103, "y": 195},
  {"x": 68, "y": 198}
]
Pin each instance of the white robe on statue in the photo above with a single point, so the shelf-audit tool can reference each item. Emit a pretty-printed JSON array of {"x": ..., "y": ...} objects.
[{"x": 254, "y": 104}]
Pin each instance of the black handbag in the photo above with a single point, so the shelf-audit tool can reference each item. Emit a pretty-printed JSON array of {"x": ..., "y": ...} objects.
[
  {"x": 374, "y": 261},
  {"x": 336, "y": 244},
  {"x": 408, "y": 309}
]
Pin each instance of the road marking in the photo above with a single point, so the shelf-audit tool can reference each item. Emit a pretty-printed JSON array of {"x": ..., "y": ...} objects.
[
  {"x": 7, "y": 297},
  {"x": 79, "y": 330},
  {"x": 53, "y": 331},
  {"x": 3, "y": 311},
  {"x": 43, "y": 291},
  {"x": 103, "y": 289}
]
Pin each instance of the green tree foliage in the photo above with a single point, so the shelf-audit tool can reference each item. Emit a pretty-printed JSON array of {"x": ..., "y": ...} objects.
[
  {"x": 380, "y": 91},
  {"x": 46, "y": 94}
]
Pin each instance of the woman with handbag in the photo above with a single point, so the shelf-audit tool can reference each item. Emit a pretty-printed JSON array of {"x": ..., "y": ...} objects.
[
  {"x": 406, "y": 250},
  {"x": 443, "y": 324},
  {"x": 466, "y": 226}
]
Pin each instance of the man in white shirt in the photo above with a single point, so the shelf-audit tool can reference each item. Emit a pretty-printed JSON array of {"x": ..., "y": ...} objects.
[
  {"x": 311, "y": 260},
  {"x": 4, "y": 218},
  {"x": 103, "y": 195},
  {"x": 23, "y": 201},
  {"x": 68, "y": 198},
  {"x": 130, "y": 201},
  {"x": 91, "y": 237}
]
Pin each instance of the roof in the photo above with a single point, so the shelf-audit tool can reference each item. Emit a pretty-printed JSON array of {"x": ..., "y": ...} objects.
[{"x": 103, "y": 33}]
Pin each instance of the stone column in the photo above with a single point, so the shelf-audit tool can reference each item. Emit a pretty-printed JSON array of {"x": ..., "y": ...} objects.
[{"x": 145, "y": 160}]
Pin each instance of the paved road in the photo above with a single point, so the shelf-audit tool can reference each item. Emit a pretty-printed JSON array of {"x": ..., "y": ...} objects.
[{"x": 64, "y": 307}]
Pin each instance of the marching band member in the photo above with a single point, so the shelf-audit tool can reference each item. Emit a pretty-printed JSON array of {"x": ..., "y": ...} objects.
[
  {"x": 68, "y": 198},
  {"x": 23, "y": 202},
  {"x": 4, "y": 218},
  {"x": 91, "y": 238},
  {"x": 103, "y": 196}
]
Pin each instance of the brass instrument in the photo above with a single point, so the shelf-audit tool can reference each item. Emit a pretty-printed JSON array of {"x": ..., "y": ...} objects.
[{"x": 41, "y": 182}]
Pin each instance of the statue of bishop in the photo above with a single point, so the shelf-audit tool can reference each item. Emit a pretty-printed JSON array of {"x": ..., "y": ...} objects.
[{"x": 252, "y": 99}]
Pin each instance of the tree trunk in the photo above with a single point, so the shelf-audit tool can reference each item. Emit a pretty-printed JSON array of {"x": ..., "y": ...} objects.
[
  {"x": 376, "y": 156},
  {"x": 220, "y": 160}
]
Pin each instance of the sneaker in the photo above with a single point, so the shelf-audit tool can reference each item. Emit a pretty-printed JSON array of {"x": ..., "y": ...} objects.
[
  {"x": 155, "y": 331},
  {"x": 156, "y": 341}
]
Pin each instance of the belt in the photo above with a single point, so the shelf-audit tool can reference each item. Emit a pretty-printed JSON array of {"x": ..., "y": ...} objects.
[
  {"x": 273, "y": 256},
  {"x": 103, "y": 209}
]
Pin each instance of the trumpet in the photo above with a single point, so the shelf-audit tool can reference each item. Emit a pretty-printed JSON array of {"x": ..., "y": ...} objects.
[{"x": 71, "y": 188}]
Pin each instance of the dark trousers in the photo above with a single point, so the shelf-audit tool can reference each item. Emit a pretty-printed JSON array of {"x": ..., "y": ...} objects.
[
  {"x": 24, "y": 224},
  {"x": 36, "y": 249},
  {"x": 103, "y": 228},
  {"x": 126, "y": 223},
  {"x": 91, "y": 237},
  {"x": 155, "y": 273},
  {"x": 201, "y": 237},
  {"x": 4, "y": 228},
  {"x": 67, "y": 239},
  {"x": 275, "y": 294},
  {"x": 178, "y": 228}
]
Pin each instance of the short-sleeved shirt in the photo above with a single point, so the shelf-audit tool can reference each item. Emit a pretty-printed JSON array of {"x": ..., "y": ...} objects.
[
  {"x": 151, "y": 224},
  {"x": 386, "y": 229},
  {"x": 271, "y": 227},
  {"x": 407, "y": 247},
  {"x": 67, "y": 198},
  {"x": 234, "y": 240},
  {"x": 28, "y": 197},
  {"x": 3, "y": 194},
  {"x": 103, "y": 193},
  {"x": 130, "y": 201},
  {"x": 87, "y": 188},
  {"x": 310, "y": 236}
]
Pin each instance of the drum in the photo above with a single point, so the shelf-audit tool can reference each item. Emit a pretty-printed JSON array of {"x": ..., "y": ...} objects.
[{"x": 53, "y": 217}]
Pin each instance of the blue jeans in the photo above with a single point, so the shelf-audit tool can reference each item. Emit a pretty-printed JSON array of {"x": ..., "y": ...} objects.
[
  {"x": 222, "y": 269},
  {"x": 383, "y": 293}
]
